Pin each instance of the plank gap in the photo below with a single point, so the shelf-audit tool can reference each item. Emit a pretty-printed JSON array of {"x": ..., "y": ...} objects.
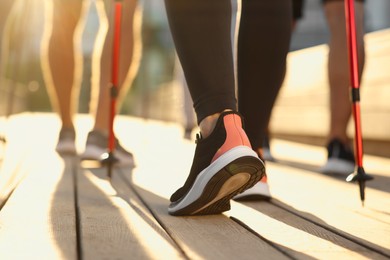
[
  {"x": 331, "y": 229},
  {"x": 77, "y": 211},
  {"x": 242, "y": 224},
  {"x": 157, "y": 219}
]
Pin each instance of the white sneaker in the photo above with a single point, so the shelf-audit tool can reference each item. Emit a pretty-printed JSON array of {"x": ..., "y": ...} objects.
[
  {"x": 267, "y": 155},
  {"x": 260, "y": 191},
  {"x": 341, "y": 160},
  {"x": 338, "y": 166},
  {"x": 66, "y": 142},
  {"x": 96, "y": 147}
]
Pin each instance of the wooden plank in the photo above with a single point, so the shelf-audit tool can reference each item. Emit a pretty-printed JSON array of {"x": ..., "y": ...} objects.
[
  {"x": 160, "y": 245},
  {"x": 38, "y": 220},
  {"x": 159, "y": 172},
  {"x": 209, "y": 237},
  {"x": 312, "y": 215},
  {"x": 113, "y": 228},
  {"x": 296, "y": 236},
  {"x": 17, "y": 149},
  {"x": 156, "y": 183},
  {"x": 328, "y": 200},
  {"x": 29, "y": 136},
  {"x": 12, "y": 171}
]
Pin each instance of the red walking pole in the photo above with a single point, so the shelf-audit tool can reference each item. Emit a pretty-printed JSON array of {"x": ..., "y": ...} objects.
[
  {"x": 360, "y": 176},
  {"x": 109, "y": 158}
]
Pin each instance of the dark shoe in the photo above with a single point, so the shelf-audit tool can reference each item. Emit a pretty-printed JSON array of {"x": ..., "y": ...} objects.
[
  {"x": 340, "y": 159},
  {"x": 97, "y": 145},
  {"x": 224, "y": 165},
  {"x": 66, "y": 142},
  {"x": 267, "y": 155}
]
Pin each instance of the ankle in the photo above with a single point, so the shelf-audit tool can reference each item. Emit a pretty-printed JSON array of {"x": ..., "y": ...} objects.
[
  {"x": 67, "y": 126},
  {"x": 343, "y": 139},
  {"x": 259, "y": 152},
  {"x": 207, "y": 125},
  {"x": 102, "y": 131}
]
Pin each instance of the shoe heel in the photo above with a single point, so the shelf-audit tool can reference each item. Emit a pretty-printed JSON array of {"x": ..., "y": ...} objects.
[{"x": 235, "y": 178}]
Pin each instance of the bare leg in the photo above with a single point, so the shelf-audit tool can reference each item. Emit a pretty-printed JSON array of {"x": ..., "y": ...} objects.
[
  {"x": 338, "y": 69},
  {"x": 5, "y": 8},
  {"x": 60, "y": 67},
  {"x": 130, "y": 55}
]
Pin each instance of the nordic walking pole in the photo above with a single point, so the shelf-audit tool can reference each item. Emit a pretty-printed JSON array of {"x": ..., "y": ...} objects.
[
  {"x": 360, "y": 176},
  {"x": 108, "y": 158}
]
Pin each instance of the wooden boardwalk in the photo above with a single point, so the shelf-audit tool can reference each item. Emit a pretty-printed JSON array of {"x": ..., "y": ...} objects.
[{"x": 59, "y": 208}]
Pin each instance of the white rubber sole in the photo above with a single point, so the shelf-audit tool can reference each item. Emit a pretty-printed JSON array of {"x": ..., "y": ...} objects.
[
  {"x": 66, "y": 147},
  {"x": 267, "y": 155},
  {"x": 337, "y": 166},
  {"x": 232, "y": 184},
  {"x": 260, "y": 191},
  {"x": 93, "y": 152}
]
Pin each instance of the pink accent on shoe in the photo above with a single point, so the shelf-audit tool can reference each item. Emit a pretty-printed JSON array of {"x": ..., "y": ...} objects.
[
  {"x": 235, "y": 135},
  {"x": 264, "y": 179}
]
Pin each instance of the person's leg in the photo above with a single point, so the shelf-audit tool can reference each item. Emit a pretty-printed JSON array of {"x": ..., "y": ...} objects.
[
  {"x": 130, "y": 52},
  {"x": 129, "y": 56},
  {"x": 224, "y": 163},
  {"x": 189, "y": 120},
  {"x": 60, "y": 67},
  {"x": 61, "y": 55},
  {"x": 297, "y": 11},
  {"x": 338, "y": 68},
  {"x": 297, "y": 14},
  {"x": 338, "y": 75},
  {"x": 199, "y": 38},
  {"x": 5, "y": 9},
  {"x": 263, "y": 44}
]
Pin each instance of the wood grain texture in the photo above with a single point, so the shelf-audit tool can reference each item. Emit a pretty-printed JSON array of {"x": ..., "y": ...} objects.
[
  {"x": 38, "y": 220},
  {"x": 209, "y": 237},
  {"x": 296, "y": 236},
  {"x": 112, "y": 228},
  {"x": 329, "y": 200},
  {"x": 312, "y": 215}
]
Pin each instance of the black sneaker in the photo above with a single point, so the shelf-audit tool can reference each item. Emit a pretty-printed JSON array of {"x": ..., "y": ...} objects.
[
  {"x": 340, "y": 159},
  {"x": 267, "y": 155},
  {"x": 224, "y": 165}
]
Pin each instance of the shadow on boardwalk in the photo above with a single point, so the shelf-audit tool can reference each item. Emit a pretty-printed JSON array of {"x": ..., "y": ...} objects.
[{"x": 55, "y": 208}]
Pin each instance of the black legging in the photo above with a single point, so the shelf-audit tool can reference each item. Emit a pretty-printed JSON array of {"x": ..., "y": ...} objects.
[
  {"x": 263, "y": 44},
  {"x": 201, "y": 31}
]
